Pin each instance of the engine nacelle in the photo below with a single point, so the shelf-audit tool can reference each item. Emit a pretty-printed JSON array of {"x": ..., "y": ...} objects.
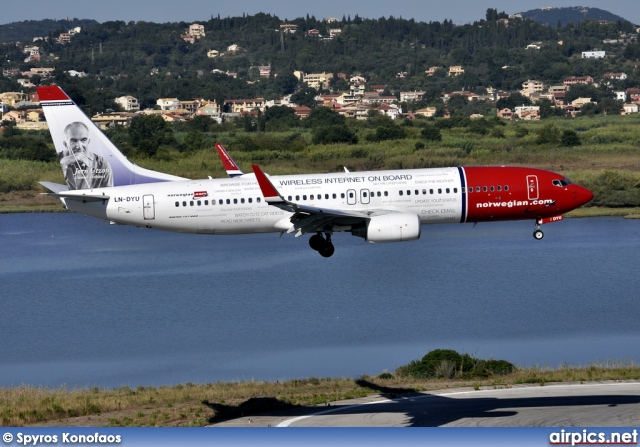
[{"x": 392, "y": 227}]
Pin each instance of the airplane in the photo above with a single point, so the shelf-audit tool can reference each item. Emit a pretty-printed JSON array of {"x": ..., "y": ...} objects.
[{"x": 378, "y": 206}]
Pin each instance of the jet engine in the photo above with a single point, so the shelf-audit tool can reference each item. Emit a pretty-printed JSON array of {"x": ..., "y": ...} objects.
[{"x": 392, "y": 227}]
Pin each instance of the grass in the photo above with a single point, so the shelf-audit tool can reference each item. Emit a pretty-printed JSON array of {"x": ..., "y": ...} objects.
[{"x": 200, "y": 404}]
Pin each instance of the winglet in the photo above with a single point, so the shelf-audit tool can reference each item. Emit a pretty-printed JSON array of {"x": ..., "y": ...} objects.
[
  {"x": 229, "y": 164},
  {"x": 270, "y": 193}
]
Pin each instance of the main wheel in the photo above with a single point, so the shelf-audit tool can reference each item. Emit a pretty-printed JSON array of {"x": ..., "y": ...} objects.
[
  {"x": 316, "y": 242},
  {"x": 538, "y": 234},
  {"x": 327, "y": 250}
]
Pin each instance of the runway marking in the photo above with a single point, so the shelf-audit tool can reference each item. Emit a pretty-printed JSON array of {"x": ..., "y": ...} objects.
[{"x": 288, "y": 422}]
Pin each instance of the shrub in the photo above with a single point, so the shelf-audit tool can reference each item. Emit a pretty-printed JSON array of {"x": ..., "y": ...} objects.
[
  {"x": 334, "y": 134},
  {"x": 431, "y": 133},
  {"x": 570, "y": 138}
]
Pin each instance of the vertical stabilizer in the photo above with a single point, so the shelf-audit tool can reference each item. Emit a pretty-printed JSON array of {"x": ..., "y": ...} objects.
[{"x": 87, "y": 157}]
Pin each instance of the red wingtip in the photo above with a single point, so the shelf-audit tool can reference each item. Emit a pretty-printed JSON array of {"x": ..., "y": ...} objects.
[{"x": 52, "y": 93}]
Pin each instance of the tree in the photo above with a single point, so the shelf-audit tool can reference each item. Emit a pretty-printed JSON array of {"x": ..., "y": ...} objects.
[
  {"x": 570, "y": 138},
  {"x": 338, "y": 133},
  {"x": 280, "y": 118},
  {"x": 431, "y": 133},
  {"x": 323, "y": 116},
  {"x": 548, "y": 134},
  {"x": 305, "y": 97},
  {"x": 147, "y": 133}
]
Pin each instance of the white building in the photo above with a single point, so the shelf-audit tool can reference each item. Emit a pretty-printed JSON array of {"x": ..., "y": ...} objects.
[
  {"x": 593, "y": 54},
  {"x": 128, "y": 103},
  {"x": 168, "y": 103}
]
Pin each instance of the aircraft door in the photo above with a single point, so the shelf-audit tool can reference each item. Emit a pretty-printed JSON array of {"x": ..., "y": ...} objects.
[
  {"x": 351, "y": 197},
  {"x": 148, "y": 207},
  {"x": 532, "y": 187},
  {"x": 364, "y": 196}
]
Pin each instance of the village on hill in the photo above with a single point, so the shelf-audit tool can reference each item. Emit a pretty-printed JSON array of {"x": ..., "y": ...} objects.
[{"x": 351, "y": 95}]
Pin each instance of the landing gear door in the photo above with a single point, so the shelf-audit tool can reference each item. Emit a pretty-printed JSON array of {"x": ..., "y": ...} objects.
[
  {"x": 148, "y": 208},
  {"x": 532, "y": 187}
]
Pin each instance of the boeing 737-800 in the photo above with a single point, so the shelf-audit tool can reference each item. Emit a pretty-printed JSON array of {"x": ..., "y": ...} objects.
[{"x": 378, "y": 206}]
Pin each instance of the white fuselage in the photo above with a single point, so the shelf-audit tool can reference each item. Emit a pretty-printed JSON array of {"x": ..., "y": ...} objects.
[{"x": 233, "y": 206}]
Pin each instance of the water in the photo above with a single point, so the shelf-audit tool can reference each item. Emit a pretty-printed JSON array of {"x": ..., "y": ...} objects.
[{"x": 85, "y": 303}]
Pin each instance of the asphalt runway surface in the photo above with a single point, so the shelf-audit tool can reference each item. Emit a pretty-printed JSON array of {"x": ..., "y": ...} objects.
[{"x": 601, "y": 404}]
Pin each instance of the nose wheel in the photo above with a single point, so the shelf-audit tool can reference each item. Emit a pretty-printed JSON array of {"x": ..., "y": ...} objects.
[
  {"x": 537, "y": 232},
  {"x": 322, "y": 245}
]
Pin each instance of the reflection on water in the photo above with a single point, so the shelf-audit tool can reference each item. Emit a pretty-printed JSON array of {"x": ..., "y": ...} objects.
[{"x": 86, "y": 303}]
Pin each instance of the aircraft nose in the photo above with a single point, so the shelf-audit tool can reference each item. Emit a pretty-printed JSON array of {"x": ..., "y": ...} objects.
[{"x": 582, "y": 195}]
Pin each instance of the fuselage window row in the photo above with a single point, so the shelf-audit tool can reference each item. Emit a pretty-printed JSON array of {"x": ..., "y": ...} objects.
[
  {"x": 220, "y": 202},
  {"x": 490, "y": 188},
  {"x": 430, "y": 191}
]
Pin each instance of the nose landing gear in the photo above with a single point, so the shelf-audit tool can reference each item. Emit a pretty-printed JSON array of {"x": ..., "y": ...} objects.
[
  {"x": 322, "y": 245},
  {"x": 537, "y": 232}
]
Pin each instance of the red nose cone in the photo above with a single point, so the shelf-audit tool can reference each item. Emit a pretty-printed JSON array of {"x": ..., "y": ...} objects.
[{"x": 583, "y": 195}]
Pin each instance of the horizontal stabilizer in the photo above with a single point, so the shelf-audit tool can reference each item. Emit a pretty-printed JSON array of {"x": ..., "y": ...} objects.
[{"x": 54, "y": 187}]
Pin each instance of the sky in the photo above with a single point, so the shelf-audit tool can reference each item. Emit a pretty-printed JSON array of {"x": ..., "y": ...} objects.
[{"x": 460, "y": 11}]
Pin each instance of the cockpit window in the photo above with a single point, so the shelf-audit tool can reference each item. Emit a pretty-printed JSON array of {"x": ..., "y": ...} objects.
[{"x": 561, "y": 182}]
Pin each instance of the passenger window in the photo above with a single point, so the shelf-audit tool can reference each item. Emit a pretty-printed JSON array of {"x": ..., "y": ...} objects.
[
  {"x": 455, "y": 190},
  {"x": 235, "y": 201},
  {"x": 408, "y": 192},
  {"x": 364, "y": 194},
  {"x": 417, "y": 192},
  {"x": 191, "y": 203},
  {"x": 342, "y": 195},
  {"x": 424, "y": 191},
  {"x": 491, "y": 188},
  {"x": 400, "y": 192},
  {"x": 311, "y": 197},
  {"x": 184, "y": 203},
  {"x": 431, "y": 191},
  {"x": 379, "y": 194},
  {"x": 228, "y": 201},
  {"x": 326, "y": 196},
  {"x": 304, "y": 197},
  {"x": 199, "y": 203},
  {"x": 448, "y": 190},
  {"x": 351, "y": 195},
  {"x": 386, "y": 193},
  {"x": 499, "y": 188},
  {"x": 506, "y": 188},
  {"x": 250, "y": 200},
  {"x": 241, "y": 200},
  {"x": 206, "y": 202},
  {"x": 334, "y": 195},
  {"x": 439, "y": 190},
  {"x": 177, "y": 204},
  {"x": 557, "y": 183},
  {"x": 297, "y": 198},
  {"x": 258, "y": 200},
  {"x": 484, "y": 189},
  {"x": 477, "y": 189}
]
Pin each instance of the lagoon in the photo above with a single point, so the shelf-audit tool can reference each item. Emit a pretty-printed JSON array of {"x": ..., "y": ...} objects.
[{"x": 85, "y": 303}]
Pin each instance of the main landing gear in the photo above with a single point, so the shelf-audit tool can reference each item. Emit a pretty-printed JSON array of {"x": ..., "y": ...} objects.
[
  {"x": 537, "y": 232},
  {"x": 322, "y": 245}
]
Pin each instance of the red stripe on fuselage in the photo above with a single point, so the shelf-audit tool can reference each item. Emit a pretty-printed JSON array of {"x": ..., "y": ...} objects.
[{"x": 508, "y": 193}]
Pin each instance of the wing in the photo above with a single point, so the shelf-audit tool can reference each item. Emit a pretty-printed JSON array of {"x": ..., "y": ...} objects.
[{"x": 310, "y": 219}]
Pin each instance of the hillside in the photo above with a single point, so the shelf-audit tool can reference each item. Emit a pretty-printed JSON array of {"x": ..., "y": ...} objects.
[
  {"x": 573, "y": 14},
  {"x": 26, "y": 30}
]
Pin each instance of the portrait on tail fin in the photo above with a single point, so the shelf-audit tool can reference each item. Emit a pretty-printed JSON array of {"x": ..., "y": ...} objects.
[{"x": 82, "y": 169}]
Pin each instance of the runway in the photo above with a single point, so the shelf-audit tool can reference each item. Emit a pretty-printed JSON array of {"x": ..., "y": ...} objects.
[{"x": 607, "y": 404}]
